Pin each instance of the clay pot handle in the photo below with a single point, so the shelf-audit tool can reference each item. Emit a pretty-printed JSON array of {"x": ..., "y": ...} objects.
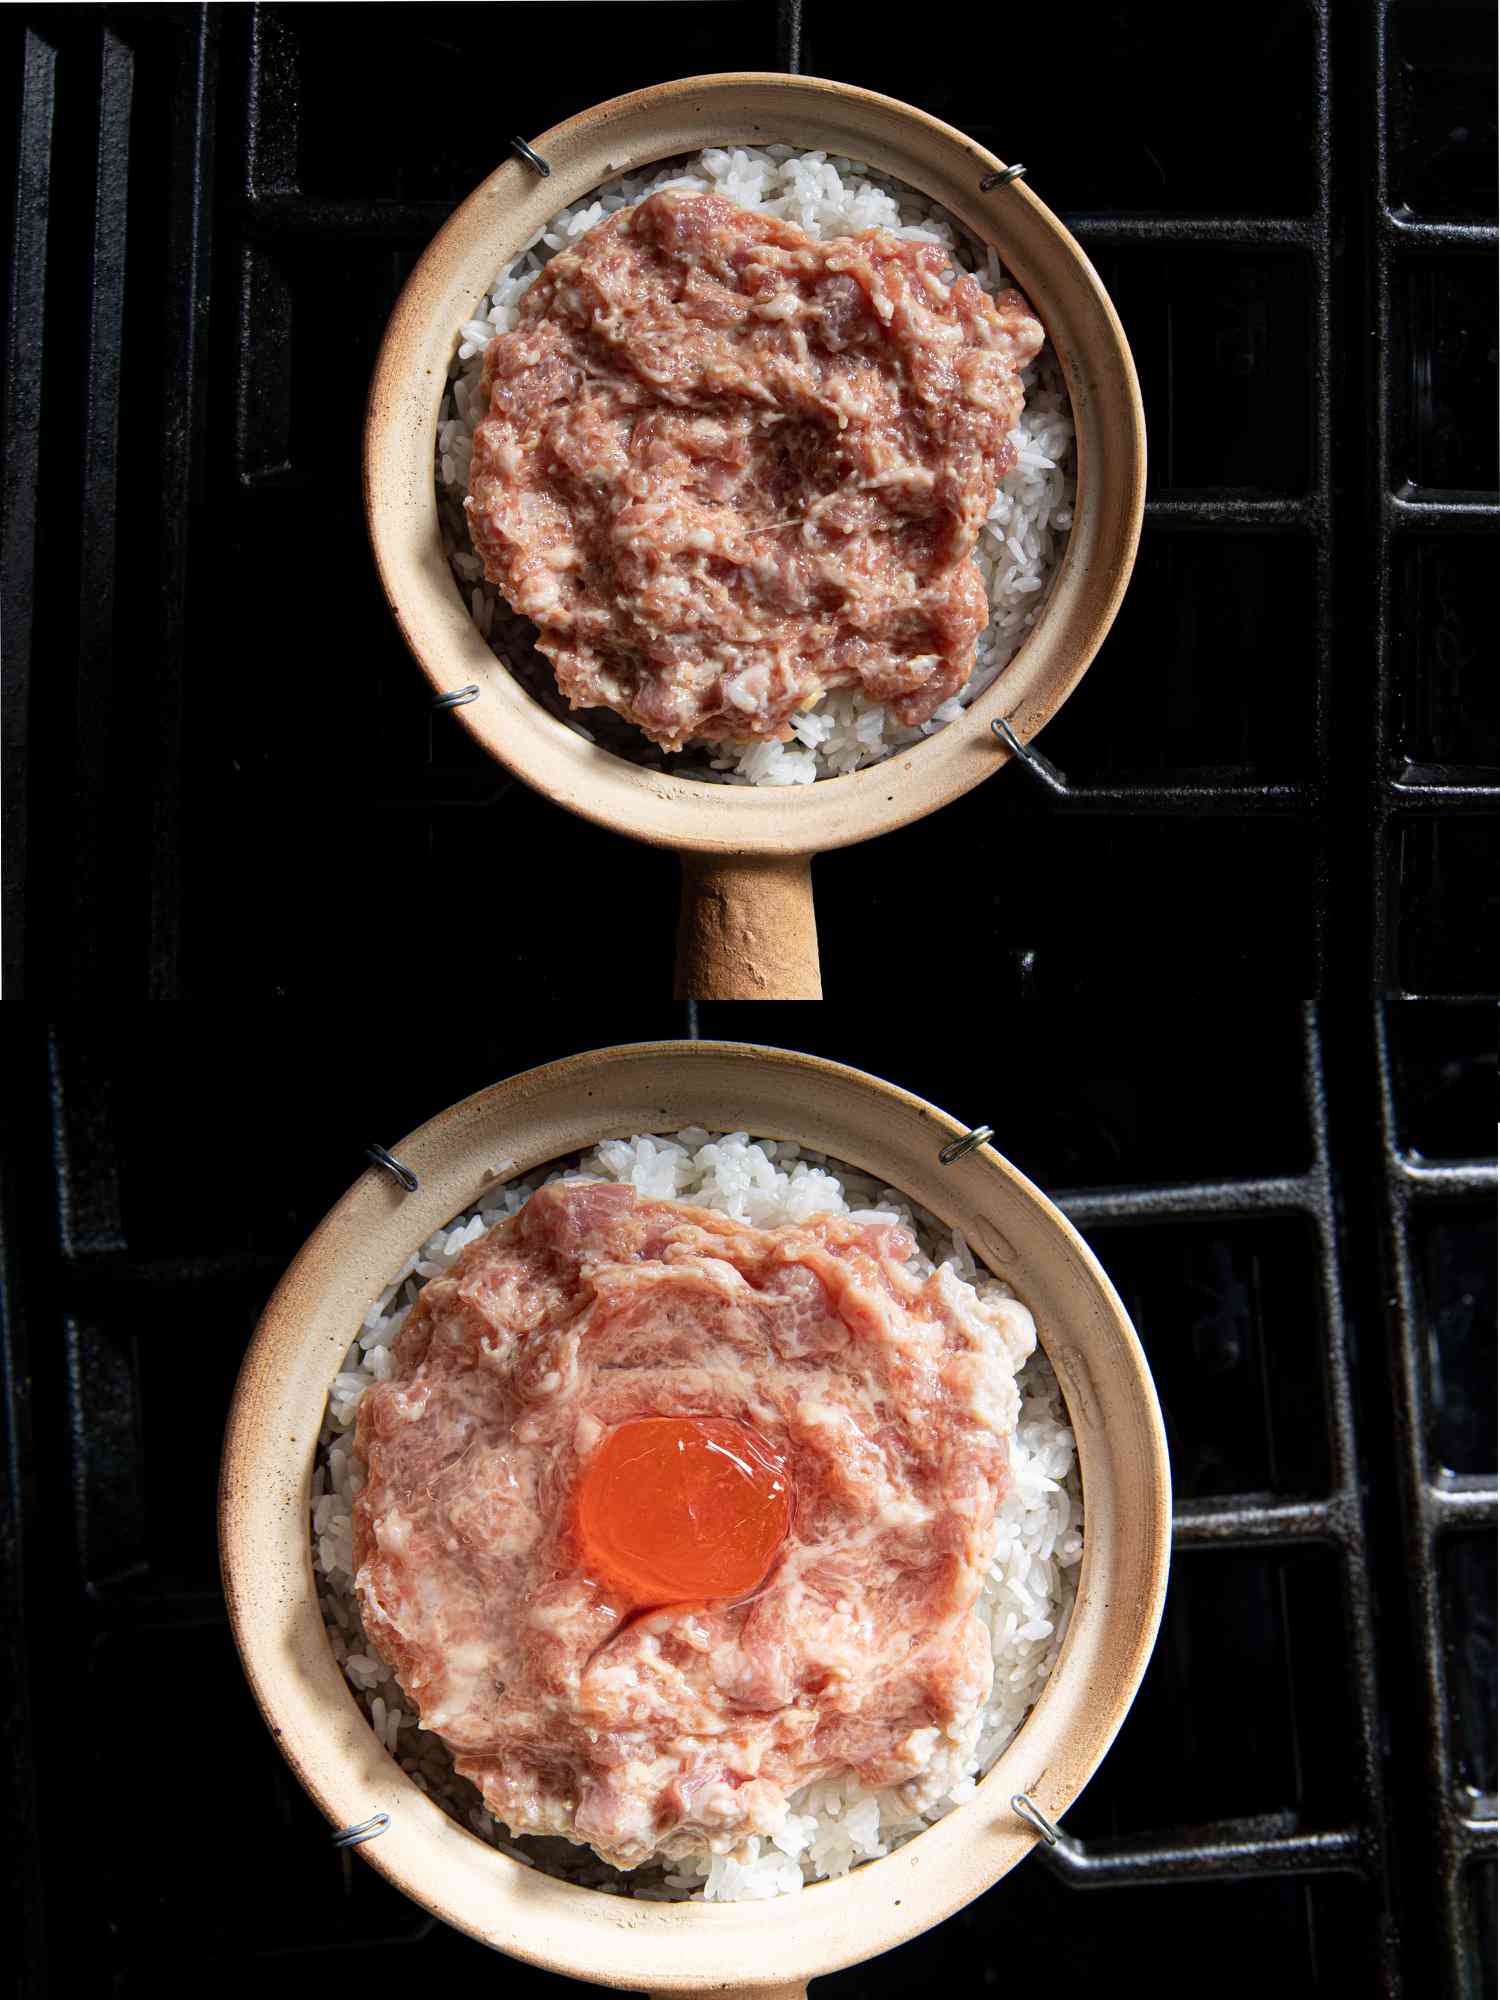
[
  {"x": 795, "y": 1989},
  {"x": 747, "y": 931}
]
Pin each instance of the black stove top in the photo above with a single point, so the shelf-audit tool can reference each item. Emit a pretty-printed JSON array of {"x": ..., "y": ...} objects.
[
  {"x": 1301, "y": 1223},
  {"x": 240, "y": 777},
  {"x": 1215, "y": 991}
]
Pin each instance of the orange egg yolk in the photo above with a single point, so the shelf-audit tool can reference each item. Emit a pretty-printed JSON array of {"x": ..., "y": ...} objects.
[{"x": 672, "y": 1509}]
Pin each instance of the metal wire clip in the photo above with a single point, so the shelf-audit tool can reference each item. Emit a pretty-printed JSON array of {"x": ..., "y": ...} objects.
[
  {"x": 393, "y": 1166},
  {"x": 368, "y": 1829},
  {"x": 1025, "y": 1809},
  {"x": 524, "y": 152},
  {"x": 458, "y": 698},
  {"x": 1003, "y": 179},
  {"x": 1040, "y": 768},
  {"x": 956, "y": 1149}
]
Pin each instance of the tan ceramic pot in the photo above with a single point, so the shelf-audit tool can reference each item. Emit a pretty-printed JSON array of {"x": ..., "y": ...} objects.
[
  {"x": 539, "y": 1117},
  {"x": 747, "y": 921}
]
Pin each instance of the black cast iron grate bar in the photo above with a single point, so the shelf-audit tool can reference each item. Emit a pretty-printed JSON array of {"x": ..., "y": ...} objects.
[
  {"x": 789, "y": 36},
  {"x": 1248, "y": 1520},
  {"x": 1451, "y": 795},
  {"x": 1323, "y": 498},
  {"x": 271, "y": 218},
  {"x": 96, "y": 752},
  {"x": 272, "y": 107},
  {"x": 1235, "y": 797},
  {"x": 1418, "y": 508},
  {"x": 1461, "y": 1506},
  {"x": 1278, "y": 1194},
  {"x": 185, "y": 337},
  {"x": 1241, "y": 1852},
  {"x": 1229, "y": 798},
  {"x": 25, "y": 343},
  {"x": 1417, "y": 232},
  {"x": 101, "y": 1274},
  {"x": 1264, "y": 513},
  {"x": 1426, "y": 1178},
  {"x": 90, "y": 1220},
  {"x": 1233, "y": 232},
  {"x": 22, "y": 1869}
]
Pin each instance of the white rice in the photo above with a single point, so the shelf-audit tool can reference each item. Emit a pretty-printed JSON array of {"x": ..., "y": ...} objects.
[
  {"x": 1019, "y": 547},
  {"x": 1026, "y": 1601}
]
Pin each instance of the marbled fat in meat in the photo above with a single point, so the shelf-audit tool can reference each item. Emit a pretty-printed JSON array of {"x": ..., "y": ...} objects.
[
  {"x": 890, "y": 1398},
  {"x": 725, "y": 467}
]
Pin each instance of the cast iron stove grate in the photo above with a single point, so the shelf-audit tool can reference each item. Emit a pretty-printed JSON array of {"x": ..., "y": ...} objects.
[
  {"x": 1309, "y": 1771},
  {"x": 233, "y": 781},
  {"x": 223, "y": 776}
]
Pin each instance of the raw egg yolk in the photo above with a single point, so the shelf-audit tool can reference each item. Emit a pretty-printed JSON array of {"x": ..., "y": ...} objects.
[{"x": 672, "y": 1509}]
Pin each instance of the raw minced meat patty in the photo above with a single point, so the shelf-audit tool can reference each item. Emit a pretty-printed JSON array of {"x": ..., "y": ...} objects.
[
  {"x": 888, "y": 1398},
  {"x": 726, "y": 467}
]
